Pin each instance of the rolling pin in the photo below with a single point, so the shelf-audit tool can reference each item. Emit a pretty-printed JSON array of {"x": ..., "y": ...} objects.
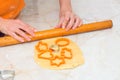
[{"x": 8, "y": 40}]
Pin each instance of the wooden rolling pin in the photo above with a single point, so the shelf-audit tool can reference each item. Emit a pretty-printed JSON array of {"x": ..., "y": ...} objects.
[{"x": 7, "y": 40}]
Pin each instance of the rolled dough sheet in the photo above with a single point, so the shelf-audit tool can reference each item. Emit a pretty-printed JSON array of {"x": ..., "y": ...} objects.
[{"x": 66, "y": 56}]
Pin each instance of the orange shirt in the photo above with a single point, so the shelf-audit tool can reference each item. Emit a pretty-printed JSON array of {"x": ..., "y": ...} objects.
[{"x": 11, "y": 8}]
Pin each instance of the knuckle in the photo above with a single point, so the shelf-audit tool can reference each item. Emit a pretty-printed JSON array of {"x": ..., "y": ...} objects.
[{"x": 70, "y": 25}]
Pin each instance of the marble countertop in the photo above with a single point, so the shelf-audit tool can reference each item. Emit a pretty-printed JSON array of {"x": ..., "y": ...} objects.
[{"x": 101, "y": 49}]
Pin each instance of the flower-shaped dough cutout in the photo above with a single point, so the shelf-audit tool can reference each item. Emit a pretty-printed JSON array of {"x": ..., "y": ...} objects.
[{"x": 41, "y": 46}]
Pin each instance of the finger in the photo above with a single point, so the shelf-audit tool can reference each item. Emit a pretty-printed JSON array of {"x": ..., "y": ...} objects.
[
  {"x": 67, "y": 17},
  {"x": 16, "y": 37},
  {"x": 81, "y": 22},
  {"x": 26, "y": 28},
  {"x": 77, "y": 23},
  {"x": 22, "y": 34},
  {"x": 64, "y": 24},
  {"x": 60, "y": 22},
  {"x": 71, "y": 23},
  {"x": 66, "y": 20},
  {"x": 34, "y": 29}
]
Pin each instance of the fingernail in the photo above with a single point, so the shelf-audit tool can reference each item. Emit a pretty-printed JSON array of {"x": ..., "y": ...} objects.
[
  {"x": 33, "y": 35},
  {"x": 34, "y": 29},
  {"x": 30, "y": 36},
  {"x": 66, "y": 29},
  {"x": 29, "y": 39},
  {"x": 56, "y": 27},
  {"x": 63, "y": 27},
  {"x": 22, "y": 40},
  {"x": 73, "y": 28}
]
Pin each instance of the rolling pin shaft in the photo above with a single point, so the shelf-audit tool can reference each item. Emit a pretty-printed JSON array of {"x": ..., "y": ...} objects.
[{"x": 8, "y": 40}]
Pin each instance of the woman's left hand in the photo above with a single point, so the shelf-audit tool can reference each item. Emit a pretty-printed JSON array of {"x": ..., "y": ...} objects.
[{"x": 68, "y": 20}]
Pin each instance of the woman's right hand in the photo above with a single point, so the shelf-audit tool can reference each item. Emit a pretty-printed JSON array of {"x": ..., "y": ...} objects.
[{"x": 16, "y": 29}]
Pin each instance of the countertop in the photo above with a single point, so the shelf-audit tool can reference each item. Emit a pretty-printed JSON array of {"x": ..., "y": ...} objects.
[{"x": 101, "y": 49}]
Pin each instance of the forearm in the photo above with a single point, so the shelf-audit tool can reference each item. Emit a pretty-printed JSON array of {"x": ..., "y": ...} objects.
[
  {"x": 65, "y": 5},
  {"x": 1, "y": 34}
]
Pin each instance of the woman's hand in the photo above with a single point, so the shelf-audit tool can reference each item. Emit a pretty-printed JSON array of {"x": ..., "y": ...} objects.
[
  {"x": 69, "y": 20},
  {"x": 17, "y": 29}
]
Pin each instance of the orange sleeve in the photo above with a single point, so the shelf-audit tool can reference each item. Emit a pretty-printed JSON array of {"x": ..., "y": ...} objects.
[{"x": 10, "y": 9}]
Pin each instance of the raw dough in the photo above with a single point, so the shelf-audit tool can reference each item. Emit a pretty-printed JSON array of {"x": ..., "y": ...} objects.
[{"x": 62, "y": 54}]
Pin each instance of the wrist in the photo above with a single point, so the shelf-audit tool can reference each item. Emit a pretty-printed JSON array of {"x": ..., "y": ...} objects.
[
  {"x": 0, "y": 22},
  {"x": 62, "y": 10},
  {"x": 65, "y": 5}
]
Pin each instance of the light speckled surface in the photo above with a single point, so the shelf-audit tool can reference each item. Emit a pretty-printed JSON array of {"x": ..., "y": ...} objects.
[{"x": 101, "y": 49}]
